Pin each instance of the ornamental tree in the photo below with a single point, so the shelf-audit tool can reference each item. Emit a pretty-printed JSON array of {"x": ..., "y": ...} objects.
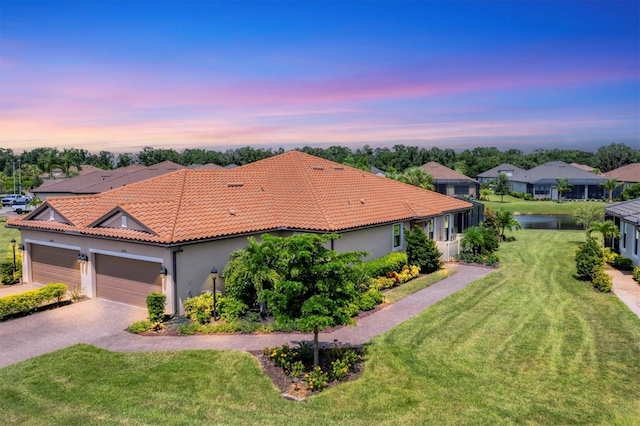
[
  {"x": 501, "y": 186},
  {"x": 422, "y": 251},
  {"x": 317, "y": 286}
]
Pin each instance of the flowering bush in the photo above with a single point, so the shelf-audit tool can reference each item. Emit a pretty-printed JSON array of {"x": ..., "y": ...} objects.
[{"x": 316, "y": 379}]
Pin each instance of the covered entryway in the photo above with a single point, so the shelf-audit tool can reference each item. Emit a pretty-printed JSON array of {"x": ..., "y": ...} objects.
[
  {"x": 126, "y": 280},
  {"x": 54, "y": 265}
]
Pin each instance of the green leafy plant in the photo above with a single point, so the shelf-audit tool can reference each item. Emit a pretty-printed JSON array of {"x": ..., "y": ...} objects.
[
  {"x": 155, "y": 306},
  {"x": 231, "y": 309},
  {"x": 601, "y": 280},
  {"x": 589, "y": 256},
  {"x": 199, "y": 308},
  {"x": 22, "y": 303},
  {"x": 370, "y": 299},
  {"x": 393, "y": 262},
  {"x": 422, "y": 251},
  {"x": 623, "y": 263},
  {"x": 316, "y": 379},
  {"x": 305, "y": 351},
  {"x": 636, "y": 273},
  {"x": 140, "y": 327}
]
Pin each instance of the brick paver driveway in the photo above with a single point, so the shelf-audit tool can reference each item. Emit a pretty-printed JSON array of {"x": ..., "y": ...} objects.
[{"x": 48, "y": 331}]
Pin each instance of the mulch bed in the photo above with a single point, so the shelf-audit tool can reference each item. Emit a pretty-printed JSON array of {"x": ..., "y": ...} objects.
[{"x": 288, "y": 388}]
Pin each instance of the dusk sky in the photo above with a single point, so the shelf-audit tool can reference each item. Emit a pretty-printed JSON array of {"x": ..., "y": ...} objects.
[{"x": 119, "y": 76}]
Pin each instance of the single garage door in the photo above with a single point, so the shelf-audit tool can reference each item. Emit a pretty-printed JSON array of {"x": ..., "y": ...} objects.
[
  {"x": 54, "y": 265},
  {"x": 126, "y": 280}
]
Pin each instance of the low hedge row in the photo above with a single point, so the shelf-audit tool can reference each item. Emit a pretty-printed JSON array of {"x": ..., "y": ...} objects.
[
  {"x": 393, "y": 262},
  {"x": 24, "y": 302}
]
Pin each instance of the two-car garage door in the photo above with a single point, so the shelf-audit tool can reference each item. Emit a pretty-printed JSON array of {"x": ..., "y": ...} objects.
[{"x": 126, "y": 280}]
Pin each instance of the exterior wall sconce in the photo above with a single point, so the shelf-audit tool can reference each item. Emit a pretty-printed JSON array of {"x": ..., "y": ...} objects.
[
  {"x": 82, "y": 257},
  {"x": 163, "y": 271},
  {"x": 21, "y": 247}
]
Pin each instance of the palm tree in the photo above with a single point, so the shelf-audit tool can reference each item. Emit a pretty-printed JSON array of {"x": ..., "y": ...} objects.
[
  {"x": 607, "y": 228},
  {"x": 49, "y": 161},
  {"x": 610, "y": 185},
  {"x": 473, "y": 239},
  {"x": 414, "y": 176},
  {"x": 68, "y": 158},
  {"x": 562, "y": 185},
  {"x": 253, "y": 265},
  {"x": 507, "y": 221}
]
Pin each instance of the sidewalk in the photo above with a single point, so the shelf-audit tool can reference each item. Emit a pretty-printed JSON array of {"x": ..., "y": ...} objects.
[{"x": 627, "y": 290}]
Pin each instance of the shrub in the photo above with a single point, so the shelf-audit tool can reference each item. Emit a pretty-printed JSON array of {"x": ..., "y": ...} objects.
[
  {"x": 492, "y": 259},
  {"x": 297, "y": 368},
  {"x": 199, "y": 308},
  {"x": 339, "y": 369},
  {"x": 28, "y": 300},
  {"x": 231, "y": 308},
  {"x": 623, "y": 263},
  {"x": 316, "y": 379},
  {"x": 381, "y": 283},
  {"x": 422, "y": 251},
  {"x": 76, "y": 292},
  {"x": 601, "y": 280},
  {"x": 588, "y": 257},
  {"x": 370, "y": 299},
  {"x": 528, "y": 197},
  {"x": 140, "y": 327},
  {"x": 155, "y": 306},
  {"x": 305, "y": 351},
  {"x": 379, "y": 267},
  {"x": 282, "y": 356},
  {"x": 6, "y": 272},
  {"x": 636, "y": 273},
  {"x": 609, "y": 256}
]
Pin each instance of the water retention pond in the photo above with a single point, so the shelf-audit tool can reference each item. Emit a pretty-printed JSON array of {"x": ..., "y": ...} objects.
[{"x": 547, "y": 222}]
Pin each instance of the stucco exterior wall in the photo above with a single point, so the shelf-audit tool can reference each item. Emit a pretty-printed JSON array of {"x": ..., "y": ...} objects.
[
  {"x": 630, "y": 246},
  {"x": 377, "y": 241}
]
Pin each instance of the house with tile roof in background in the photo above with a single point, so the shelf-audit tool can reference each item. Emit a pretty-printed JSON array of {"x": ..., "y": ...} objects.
[
  {"x": 626, "y": 216},
  {"x": 627, "y": 175},
  {"x": 508, "y": 169},
  {"x": 167, "y": 233}
]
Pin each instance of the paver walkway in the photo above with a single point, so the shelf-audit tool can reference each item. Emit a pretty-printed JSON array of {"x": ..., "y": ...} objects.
[
  {"x": 103, "y": 323},
  {"x": 627, "y": 290}
]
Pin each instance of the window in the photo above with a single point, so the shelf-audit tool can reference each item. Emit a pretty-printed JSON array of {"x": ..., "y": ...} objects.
[
  {"x": 124, "y": 222},
  {"x": 397, "y": 236},
  {"x": 637, "y": 241},
  {"x": 623, "y": 235},
  {"x": 447, "y": 224},
  {"x": 542, "y": 189},
  {"x": 461, "y": 189},
  {"x": 429, "y": 229}
]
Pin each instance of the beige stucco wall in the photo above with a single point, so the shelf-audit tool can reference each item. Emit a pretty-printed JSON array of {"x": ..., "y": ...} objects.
[{"x": 377, "y": 241}]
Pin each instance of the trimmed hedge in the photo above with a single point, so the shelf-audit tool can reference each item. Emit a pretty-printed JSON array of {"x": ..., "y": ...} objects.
[
  {"x": 28, "y": 300},
  {"x": 636, "y": 273},
  {"x": 393, "y": 262}
]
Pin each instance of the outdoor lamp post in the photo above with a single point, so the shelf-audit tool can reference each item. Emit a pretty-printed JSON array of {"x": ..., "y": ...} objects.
[
  {"x": 13, "y": 246},
  {"x": 214, "y": 276}
]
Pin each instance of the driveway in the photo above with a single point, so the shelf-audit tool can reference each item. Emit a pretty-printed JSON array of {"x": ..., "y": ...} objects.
[
  {"x": 47, "y": 331},
  {"x": 103, "y": 323}
]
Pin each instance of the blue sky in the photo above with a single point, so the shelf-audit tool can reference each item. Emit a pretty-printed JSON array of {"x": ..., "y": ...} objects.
[{"x": 123, "y": 75}]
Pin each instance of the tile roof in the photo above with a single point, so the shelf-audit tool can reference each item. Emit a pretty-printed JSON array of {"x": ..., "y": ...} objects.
[
  {"x": 627, "y": 210},
  {"x": 547, "y": 173},
  {"x": 103, "y": 180},
  {"x": 289, "y": 191},
  {"x": 442, "y": 173},
  {"x": 494, "y": 172},
  {"x": 629, "y": 173}
]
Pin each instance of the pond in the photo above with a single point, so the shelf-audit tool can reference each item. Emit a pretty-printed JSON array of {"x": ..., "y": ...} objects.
[{"x": 547, "y": 222}]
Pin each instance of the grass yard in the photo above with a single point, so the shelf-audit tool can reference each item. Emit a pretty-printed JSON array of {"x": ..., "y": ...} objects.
[
  {"x": 396, "y": 293},
  {"x": 6, "y": 234},
  {"x": 527, "y": 344},
  {"x": 520, "y": 206}
]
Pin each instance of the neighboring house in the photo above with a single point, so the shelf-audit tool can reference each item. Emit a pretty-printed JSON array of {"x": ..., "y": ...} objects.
[
  {"x": 540, "y": 182},
  {"x": 583, "y": 167},
  {"x": 491, "y": 174},
  {"x": 99, "y": 180},
  {"x": 627, "y": 175},
  {"x": 626, "y": 216},
  {"x": 376, "y": 171},
  {"x": 449, "y": 182},
  {"x": 59, "y": 173},
  {"x": 165, "y": 234}
]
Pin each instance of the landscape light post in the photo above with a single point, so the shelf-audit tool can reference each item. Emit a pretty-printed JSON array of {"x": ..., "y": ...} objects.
[
  {"x": 214, "y": 276},
  {"x": 13, "y": 246}
]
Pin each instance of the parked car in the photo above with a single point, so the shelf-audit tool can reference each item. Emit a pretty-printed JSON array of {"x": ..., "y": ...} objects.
[
  {"x": 8, "y": 199},
  {"x": 22, "y": 207}
]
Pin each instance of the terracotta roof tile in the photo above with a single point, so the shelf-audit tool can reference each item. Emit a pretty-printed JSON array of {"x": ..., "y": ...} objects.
[
  {"x": 629, "y": 173},
  {"x": 442, "y": 173},
  {"x": 293, "y": 190}
]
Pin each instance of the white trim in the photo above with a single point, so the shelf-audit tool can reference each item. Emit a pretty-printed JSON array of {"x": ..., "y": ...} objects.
[
  {"x": 127, "y": 255},
  {"x": 50, "y": 244}
]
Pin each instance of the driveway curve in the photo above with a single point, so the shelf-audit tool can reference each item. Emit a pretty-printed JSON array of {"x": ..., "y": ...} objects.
[{"x": 103, "y": 323}]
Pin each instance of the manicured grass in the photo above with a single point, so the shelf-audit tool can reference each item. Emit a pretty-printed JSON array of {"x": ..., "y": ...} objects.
[
  {"x": 520, "y": 206},
  {"x": 396, "y": 293},
  {"x": 527, "y": 344},
  {"x": 6, "y": 234}
]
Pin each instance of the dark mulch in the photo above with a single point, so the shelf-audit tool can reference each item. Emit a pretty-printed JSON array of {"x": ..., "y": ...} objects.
[
  {"x": 286, "y": 385},
  {"x": 42, "y": 308}
]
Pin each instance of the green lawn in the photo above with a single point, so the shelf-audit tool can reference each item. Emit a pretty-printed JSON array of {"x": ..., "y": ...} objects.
[
  {"x": 526, "y": 344},
  {"x": 6, "y": 234},
  {"x": 520, "y": 206},
  {"x": 396, "y": 293}
]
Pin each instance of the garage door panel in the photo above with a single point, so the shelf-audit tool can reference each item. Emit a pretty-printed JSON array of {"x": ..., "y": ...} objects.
[
  {"x": 126, "y": 280},
  {"x": 52, "y": 264}
]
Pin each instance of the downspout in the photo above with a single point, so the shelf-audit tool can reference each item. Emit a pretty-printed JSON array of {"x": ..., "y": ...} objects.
[{"x": 174, "y": 272}]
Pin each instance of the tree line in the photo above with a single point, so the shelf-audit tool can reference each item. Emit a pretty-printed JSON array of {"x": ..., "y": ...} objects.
[{"x": 399, "y": 158}]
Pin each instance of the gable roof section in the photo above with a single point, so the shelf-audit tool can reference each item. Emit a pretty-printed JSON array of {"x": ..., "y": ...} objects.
[
  {"x": 584, "y": 167},
  {"x": 103, "y": 180},
  {"x": 494, "y": 172},
  {"x": 629, "y": 173},
  {"x": 289, "y": 191},
  {"x": 547, "y": 173},
  {"x": 627, "y": 210},
  {"x": 443, "y": 174}
]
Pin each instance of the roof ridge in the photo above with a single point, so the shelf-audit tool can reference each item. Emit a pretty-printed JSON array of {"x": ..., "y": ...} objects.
[{"x": 175, "y": 219}]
